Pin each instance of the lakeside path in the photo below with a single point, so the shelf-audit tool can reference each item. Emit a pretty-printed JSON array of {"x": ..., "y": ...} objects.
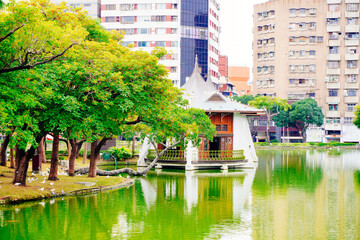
[{"x": 38, "y": 187}]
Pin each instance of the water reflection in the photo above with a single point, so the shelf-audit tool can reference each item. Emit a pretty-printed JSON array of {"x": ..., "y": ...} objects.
[{"x": 291, "y": 195}]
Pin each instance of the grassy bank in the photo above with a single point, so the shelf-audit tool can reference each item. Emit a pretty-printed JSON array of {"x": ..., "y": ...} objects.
[{"x": 38, "y": 187}]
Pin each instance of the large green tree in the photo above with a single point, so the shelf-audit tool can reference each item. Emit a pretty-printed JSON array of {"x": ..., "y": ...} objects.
[
  {"x": 300, "y": 116},
  {"x": 271, "y": 107}
]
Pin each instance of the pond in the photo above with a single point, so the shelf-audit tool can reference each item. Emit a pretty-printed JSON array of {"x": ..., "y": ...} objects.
[{"x": 305, "y": 194}]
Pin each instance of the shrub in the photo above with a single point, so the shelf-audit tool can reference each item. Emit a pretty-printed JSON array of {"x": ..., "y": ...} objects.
[
  {"x": 312, "y": 143},
  {"x": 120, "y": 153},
  {"x": 274, "y": 141}
]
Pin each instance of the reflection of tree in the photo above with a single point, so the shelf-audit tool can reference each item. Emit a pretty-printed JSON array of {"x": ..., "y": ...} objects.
[
  {"x": 124, "y": 214},
  {"x": 285, "y": 170},
  {"x": 357, "y": 179}
]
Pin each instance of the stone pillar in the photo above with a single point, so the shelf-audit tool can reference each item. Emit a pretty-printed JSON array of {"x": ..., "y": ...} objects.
[{"x": 189, "y": 155}]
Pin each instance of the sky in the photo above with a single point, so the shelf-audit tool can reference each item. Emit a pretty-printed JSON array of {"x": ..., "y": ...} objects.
[{"x": 236, "y": 24}]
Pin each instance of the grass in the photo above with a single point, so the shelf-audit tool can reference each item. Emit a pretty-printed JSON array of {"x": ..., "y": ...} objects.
[{"x": 33, "y": 191}]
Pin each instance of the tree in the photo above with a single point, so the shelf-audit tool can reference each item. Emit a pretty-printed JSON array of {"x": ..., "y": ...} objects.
[
  {"x": 357, "y": 116},
  {"x": 271, "y": 106},
  {"x": 37, "y": 32},
  {"x": 245, "y": 99},
  {"x": 300, "y": 116}
]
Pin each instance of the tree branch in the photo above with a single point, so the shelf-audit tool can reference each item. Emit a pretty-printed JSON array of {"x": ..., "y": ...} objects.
[
  {"x": 12, "y": 32},
  {"x": 29, "y": 66}
]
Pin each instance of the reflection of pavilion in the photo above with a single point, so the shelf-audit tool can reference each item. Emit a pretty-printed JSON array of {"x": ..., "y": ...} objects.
[{"x": 228, "y": 191}]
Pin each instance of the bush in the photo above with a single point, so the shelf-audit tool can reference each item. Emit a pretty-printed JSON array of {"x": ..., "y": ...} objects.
[
  {"x": 312, "y": 143},
  {"x": 120, "y": 153},
  {"x": 274, "y": 141}
]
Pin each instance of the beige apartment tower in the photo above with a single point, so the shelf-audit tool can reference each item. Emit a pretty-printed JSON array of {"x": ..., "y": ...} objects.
[{"x": 310, "y": 48}]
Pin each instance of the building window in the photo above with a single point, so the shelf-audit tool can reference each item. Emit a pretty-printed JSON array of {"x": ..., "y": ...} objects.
[
  {"x": 127, "y": 20},
  {"x": 144, "y": 44},
  {"x": 161, "y": 31},
  {"x": 354, "y": 35},
  {"x": 332, "y": 120},
  {"x": 333, "y": 107},
  {"x": 351, "y": 92},
  {"x": 351, "y": 21},
  {"x": 292, "y": 68},
  {"x": 173, "y": 69},
  {"x": 160, "y": 43},
  {"x": 312, "y": 68},
  {"x": 312, "y": 39},
  {"x": 143, "y": 18},
  {"x": 218, "y": 128},
  {"x": 312, "y": 11},
  {"x": 224, "y": 128},
  {"x": 352, "y": 7},
  {"x": 144, "y": 6},
  {"x": 320, "y": 39},
  {"x": 312, "y": 53},
  {"x": 302, "y": 53},
  {"x": 127, "y": 7},
  {"x": 351, "y": 64},
  {"x": 302, "y": 11},
  {"x": 302, "y": 38},
  {"x": 350, "y": 107},
  {"x": 333, "y": 64},
  {"x": 333, "y": 92},
  {"x": 351, "y": 78},
  {"x": 332, "y": 78},
  {"x": 292, "y": 11},
  {"x": 109, "y": 19},
  {"x": 333, "y": 50},
  {"x": 110, "y": 7},
  {"x": 302, "y": 25},
  {"x": 144, "y": 31},
  {"x": 312, "y": 25},
  {"x": 333, "y": 7},
  {"x": 348, "y": 120},
  {"x": 161, "y": 6},
  {"x": 333, "y": 36}
]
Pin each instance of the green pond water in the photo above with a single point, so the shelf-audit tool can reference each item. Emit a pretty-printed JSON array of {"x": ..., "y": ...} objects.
[{"x": 289, "y": 195}]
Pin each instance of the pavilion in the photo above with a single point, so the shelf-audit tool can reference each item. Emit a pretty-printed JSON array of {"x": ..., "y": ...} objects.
[{"x": 231, "y": 147}]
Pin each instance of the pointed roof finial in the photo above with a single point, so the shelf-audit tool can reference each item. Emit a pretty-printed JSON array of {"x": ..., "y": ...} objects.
[{"x": 196, "y": 61}]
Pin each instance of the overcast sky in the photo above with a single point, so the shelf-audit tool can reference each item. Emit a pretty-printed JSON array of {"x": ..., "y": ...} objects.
[{"x": 236, "y": 30}]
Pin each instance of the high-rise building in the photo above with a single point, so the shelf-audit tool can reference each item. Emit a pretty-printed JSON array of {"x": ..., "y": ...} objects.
[
  {"x": 91, "y": 6},
  {"x": 239, "y": 76},
  {"x": 186, "y": 28},
  {"x": 309, "y": 48}
]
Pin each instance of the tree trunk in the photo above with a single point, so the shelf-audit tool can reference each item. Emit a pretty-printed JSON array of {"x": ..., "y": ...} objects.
[
  {"x": 133, "y": 146},
  {"x": 41, "y": 150},
  {"x": 93, "y": 158},
  {"x": 95, "y": 155},
  {"x": 268, "y": 129},
  {"x": 85, "y": 153},
  {"x": 72, "y": 157},
  {"x": 78, "y": 147},
  {"x": 12, "y": 162},
  {"x": 4, "y": 146},
  {"x": 22, "y": 159},
  {"x": 54, "y": 159}
]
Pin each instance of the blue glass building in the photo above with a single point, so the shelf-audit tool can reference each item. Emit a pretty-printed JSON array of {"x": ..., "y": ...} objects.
[{"x": 194, "y": 37}]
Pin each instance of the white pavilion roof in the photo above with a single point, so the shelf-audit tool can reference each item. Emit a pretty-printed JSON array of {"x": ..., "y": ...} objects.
[{"x": 204, "y": 95}]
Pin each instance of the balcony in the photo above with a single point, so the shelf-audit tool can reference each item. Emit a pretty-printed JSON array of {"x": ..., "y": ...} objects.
[
  {"x": 333, "y": 85},
  {"x": 352, "y": 56},
  {"x": 349, "y": 114},
  {"x": 335, "y": 71},
  {"x": 332, "y": 114},
  {"x": 354, "y": 85},
  {"x": 352, "y": 28},
  {"x": 352, "y": 99},
  {"x": 333, "y": 57},
  {"x": 351, "y": 14},
  {"x": 333, "y": 14},
  {"x": 333, "y": 28},
  {"x": 334, "y": 43},
  {"x": 351, "y": 71},
  {"x": 352, "y": 1},
  {"x": 351, "y": 42},
  {"x": 333, "y": 100},
  {"x": 332, "y": 126},
  {"x": 333, "y": 1}
]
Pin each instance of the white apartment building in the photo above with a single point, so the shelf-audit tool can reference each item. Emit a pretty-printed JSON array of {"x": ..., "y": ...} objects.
[{"x": 185, "y": 28}]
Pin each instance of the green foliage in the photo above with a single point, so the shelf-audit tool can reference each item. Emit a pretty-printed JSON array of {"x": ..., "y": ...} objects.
[
  {"x": 245, "y": 99},
  {"x": 274, "y": 141},
  {"x": 357, "y": 116},
  {"x": 120, "y": 153},
  {"x": 300, "y": 115},
  {"x": 312, "y": 143}
]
